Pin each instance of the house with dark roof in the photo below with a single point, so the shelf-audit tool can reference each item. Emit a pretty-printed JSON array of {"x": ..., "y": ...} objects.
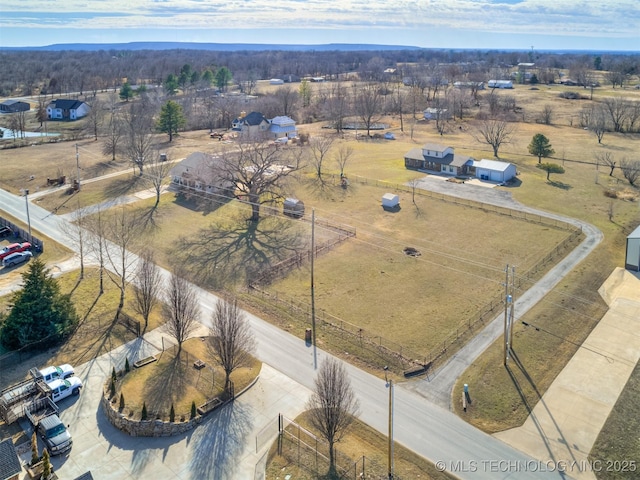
[
  {"x": 437, "y": 158},
  {"x": 283, "y": 126},
  {"x": 253, "y": 124},
  {"x": 10, "y": 467},
  {"x": 67, "y": 109},
  {"x": 14, "y": 106}
]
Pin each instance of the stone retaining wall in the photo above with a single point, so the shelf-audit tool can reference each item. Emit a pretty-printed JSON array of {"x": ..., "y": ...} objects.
[{"x": 146, "y": 428}]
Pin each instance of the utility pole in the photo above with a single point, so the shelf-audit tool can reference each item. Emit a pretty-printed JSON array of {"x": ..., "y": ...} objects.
[
  {"x": 78, "y": 166},
  {"x": 313, "y": 296},
  {"x": 26, "y": 201},
  {"x": 389, "y": 382}
]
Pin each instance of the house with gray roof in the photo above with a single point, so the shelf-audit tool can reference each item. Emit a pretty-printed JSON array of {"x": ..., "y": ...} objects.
[
  {"x": 283, "y": 126},
  {"x": 253, "y": 124},
  {"x": 67, "y": 109},
  {"x": 10, "y": 467},
  {"x": 202, "y": 172},
  {"x": 14, "y": 106},
  {"x": 437, "y": 158}
]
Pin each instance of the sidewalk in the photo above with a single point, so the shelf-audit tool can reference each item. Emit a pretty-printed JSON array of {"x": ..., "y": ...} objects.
[{"x": 566, "y": 422}]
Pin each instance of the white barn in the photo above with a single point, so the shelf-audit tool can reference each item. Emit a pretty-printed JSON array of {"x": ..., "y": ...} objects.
[
  {"x": 493, "y": 170},
  {"x": 632, "y": 257}
]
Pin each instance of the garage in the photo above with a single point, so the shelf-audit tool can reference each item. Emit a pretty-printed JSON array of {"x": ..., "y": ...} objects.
[
  {"x": 632, "y": 257},
  {"x": 494, "y": 171}
]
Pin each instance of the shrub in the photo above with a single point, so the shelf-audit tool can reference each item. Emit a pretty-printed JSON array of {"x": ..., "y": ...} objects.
[
  {"x": 34, "y": 449},
  {"x": 114, "y": 376},
  {"x": 127, "y": 368},
  {"x": 46, "y": 464},
  {"x": 143, "y": 415},
  {"x": 121, "y": 401},
  {"x": 112, "y": 388},
  {"x": 193, "y": 410},
  {"x": 172, "y": 414}
]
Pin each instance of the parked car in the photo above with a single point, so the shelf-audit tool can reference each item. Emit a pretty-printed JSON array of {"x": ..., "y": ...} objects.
[
  {"x": 281, "y": 141},
  {"x": 63, "y": 388},
  {"x": 5, "y": 232},
  {"x": 54, "y": 373},
  {"x": 54, "y": 434},
  {"x": 16, "y": 258},
  {"x": 14, "y": 248},
  {"x": 389, "y": 136}
]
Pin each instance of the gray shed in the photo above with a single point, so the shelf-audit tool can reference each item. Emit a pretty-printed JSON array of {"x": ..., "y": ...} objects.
[{"x": 632, "y": 257}]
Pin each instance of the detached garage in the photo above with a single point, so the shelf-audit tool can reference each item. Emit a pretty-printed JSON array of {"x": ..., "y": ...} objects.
[
  {"x": 632, "y": 257},
  {"x": 494, "y": 171}
]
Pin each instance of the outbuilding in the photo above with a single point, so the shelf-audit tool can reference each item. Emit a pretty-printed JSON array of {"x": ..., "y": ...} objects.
[
  {"x": 632, "y": 257},
  {"x": 14, "y": 106},
  {"x": 390, "y": 201},
  {"x": 493, "y": 170},
  {"x": 293, "y": 207}
]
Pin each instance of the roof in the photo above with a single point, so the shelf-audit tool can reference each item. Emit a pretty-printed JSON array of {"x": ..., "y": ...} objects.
[
  {"x": 492, "y": 165},
  {"x": 85, "y": 476},
  {"x": 13, "y": 102},
  {"x": 282, "y": 120},
  {"x": 436, "y": 147},
  {"x": 254, "y": 118},
  {"x": 66, "y": 104},
  {"x": 9, "y": 462},
  {"x": 200, "y": 167},
  {"x": 414, "y": 154},
  {"x": 635, "y": 233},
  {"x": 460, "y": 160}
]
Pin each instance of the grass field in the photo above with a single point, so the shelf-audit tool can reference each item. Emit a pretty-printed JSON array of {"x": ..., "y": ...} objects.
[{"x": 173, "y": 380}]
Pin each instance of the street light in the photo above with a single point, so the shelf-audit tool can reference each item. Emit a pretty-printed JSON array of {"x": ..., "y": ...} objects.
[
  {"x": 26, "y": 201},
  {"x": 389, "y": 384}
]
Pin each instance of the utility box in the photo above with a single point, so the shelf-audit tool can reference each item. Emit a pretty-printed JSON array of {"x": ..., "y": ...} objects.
[
  {"x": 293, "y": 208},
  {"x": 390, "y": 201}
]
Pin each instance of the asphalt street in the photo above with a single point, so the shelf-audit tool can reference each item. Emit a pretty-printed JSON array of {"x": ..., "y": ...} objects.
[{"x": 419, "y": 424}]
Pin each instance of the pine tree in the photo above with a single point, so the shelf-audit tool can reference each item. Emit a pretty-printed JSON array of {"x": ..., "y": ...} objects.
[
  {"x": 127, "y": 368},
  {"x": 540, "y": 147},
  {"x": 143, "y": 415},
  {"x": 121, "y": 401},
  {"x": 112, "y": 388},
  {"x": 34, "y": 448},
  {"x": 46, "y": 464},
  {"x": 193, "y": 410},
  {"x": 172, "y": 414},
  {"x": 39, "y": 310},
  {"x": 171, "y": 119}
]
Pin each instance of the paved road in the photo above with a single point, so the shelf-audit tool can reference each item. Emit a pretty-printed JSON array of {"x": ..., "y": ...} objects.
[{"x": 425, "y": 428}]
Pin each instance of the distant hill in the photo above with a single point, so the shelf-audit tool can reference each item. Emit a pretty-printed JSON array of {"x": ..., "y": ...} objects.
[{"x": 221, "y": 47}]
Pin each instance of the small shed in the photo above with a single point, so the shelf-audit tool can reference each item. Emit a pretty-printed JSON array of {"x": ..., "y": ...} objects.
[
  {"x": 632, "y": 257},
  {"x": 390, "y": 201},
  {"x": 293, "y": 207}
]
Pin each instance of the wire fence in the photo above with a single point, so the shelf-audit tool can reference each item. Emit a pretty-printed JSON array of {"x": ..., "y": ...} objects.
[{"x": 310, "y": 454}]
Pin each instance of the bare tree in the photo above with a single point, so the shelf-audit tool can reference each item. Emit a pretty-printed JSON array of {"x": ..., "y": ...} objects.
[
  {"x": 77, "y": 233},
  {"x": 94, "y": 117},
  {"x": 148, "y": 283},
  {"x": 156, "y": 172},
  {"x": 546, "y": 116},
  {"x": 123, "y": 231},
  {"x": 630, "y": 170},
  {"x": 287, "y": 99},
  {"x": 342, "y": 158},
  {"x": 597, "y": 122},
  {"x": 96, "y": 227},
  {"x": 333, "y": 405},
  {"x": 319, "y": 148},
  {"x": 258, "y": 170},
  {"x": 181, "y": 309},
  {"x": 138, "y": 141},
  {"x": 368, "y": 104},
  {"x": 114, "y": 130},
  {"x": 607, "y": 159},
  {"x": 496, "y": 133},
  {"x": 336, "y": 105},
  {"x": 231, "y": 342},
  {"x": 617, "y": 108}
]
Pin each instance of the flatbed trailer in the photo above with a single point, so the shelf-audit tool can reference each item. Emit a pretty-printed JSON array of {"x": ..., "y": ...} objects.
[{"x": 13, "y": 399}]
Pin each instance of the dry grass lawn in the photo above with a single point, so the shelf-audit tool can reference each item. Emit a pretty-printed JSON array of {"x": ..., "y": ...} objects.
[{"x": 173, "y": 380}]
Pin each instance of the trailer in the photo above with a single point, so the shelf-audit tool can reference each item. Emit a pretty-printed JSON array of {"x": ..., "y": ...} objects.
[
  {"x": 13, "y": 399},
  {"x": 40, "y": 408}
]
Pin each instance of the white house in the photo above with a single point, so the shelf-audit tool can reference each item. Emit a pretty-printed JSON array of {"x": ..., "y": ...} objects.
[
  {"x": 201, "y": 172},
  {"x": 252, "y": 125},
  {"x": 65, "y": 109},
  {"x": 283, "y": 126},
  {"x": 632, "y": 257},
  {"x": 493, "y": 170}
]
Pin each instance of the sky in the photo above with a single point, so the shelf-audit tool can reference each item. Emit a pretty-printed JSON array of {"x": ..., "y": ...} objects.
[{"x": 612, "y": 25}]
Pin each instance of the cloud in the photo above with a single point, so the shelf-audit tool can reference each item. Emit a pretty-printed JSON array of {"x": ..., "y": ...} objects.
[{"x": 611, "y": 18}]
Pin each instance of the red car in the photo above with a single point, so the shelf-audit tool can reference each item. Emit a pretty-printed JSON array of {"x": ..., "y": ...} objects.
[{"x": 13, "y": 248}]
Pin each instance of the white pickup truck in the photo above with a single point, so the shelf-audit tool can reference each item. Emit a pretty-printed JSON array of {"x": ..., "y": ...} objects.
[
  {"x": 53, "y": 373},
  {"x": 63, "y": 388}
]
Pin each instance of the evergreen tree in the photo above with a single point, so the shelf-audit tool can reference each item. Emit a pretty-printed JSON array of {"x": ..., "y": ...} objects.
[
  {"x": 171, "y": 84},
  {"x": 39, "y": 310},
  {"x": 121, "y": 401},
  {"x": 143, "y": 415},
  {"x": 223, "y": 77},
  {"x": 172, "y": 414},
  {"x": 126, "y": 92},
  {"x": 193, "y": 410},
  {"x": 46, "y": 464},
  {"x": 171, "y": 119},
  {"x": 540, "y": 147}
]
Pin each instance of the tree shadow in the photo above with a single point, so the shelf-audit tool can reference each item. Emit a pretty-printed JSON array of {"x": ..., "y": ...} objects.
[
  {"x": 220, "y": 255},
  {"x": 563, "y": 186},
  {"x": 158, "y": 391},
  {"x": 219, "y": 442},
  {"x": 123, "y": 186}
]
